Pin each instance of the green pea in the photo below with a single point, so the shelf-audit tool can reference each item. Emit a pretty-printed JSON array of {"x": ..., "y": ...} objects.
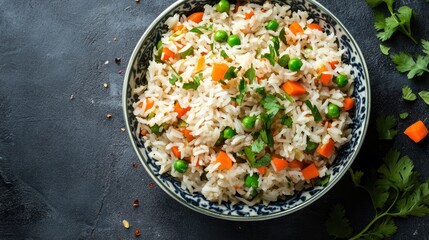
[
  {"x": 233, "y": 40},
  {"x": 186, "y": 53},
  {"x": 341, "y": 80},
  {"x": 295, "y": 64},
  {"x": 251, "y": 181},
  {"x": 272, "y": 25},
  {"x": 228, "y": 133},
  {"x": 159, "y": 45},
  {"x": 222, "y": 6},
  {"x": 180, "y": 165},
  {"x": 249, "y": 122},
  {"x": 311, "y": 146},
  {"x": 220, "y": 36},
  {"x": 333, "y": 111},
  {"x": 284, "y": 60}
]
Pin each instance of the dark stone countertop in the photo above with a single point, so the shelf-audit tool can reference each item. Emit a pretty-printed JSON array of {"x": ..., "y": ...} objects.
[{"x": 66, "y": 170}]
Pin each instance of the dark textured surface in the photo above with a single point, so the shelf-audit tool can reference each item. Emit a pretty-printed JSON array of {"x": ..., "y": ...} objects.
[{"x": 66, "y": 170}]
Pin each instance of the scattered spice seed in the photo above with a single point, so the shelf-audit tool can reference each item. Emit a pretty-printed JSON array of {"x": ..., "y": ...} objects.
[
  {"x": 120, "y": 72},
  {"x": 151, "y": 185},
  {"x": 108, "y": 115},
  {"x": 122, "y": 129},
  {"x": 136, "y": 203},
  {"x": 118, "y": 60},
  {"x": 105, "y": 85},
  {"x": 134, "y": 165},
  {"x": 137, "y": 232},
  {"x": 126, "y": 224}
]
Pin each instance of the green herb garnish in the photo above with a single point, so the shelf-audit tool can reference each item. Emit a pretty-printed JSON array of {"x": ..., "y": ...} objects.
[
  {"x": 385, "y": 127},
  {"x": 407, "y": 94},
  {"x": 195, "y": 83},
  {"x": 314, "y": 111},
  {"x": 250, "y": 74}
]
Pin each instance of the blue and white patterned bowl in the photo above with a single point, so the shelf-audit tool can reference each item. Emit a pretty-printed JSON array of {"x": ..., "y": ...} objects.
[{"x": 135, "y": 76}]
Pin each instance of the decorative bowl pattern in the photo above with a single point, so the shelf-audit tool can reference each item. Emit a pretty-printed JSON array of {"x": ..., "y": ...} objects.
[{"x": 135, "y": 76}]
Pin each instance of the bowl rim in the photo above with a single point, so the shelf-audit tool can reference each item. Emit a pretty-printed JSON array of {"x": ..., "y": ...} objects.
[{"x": 204, "y": 211}]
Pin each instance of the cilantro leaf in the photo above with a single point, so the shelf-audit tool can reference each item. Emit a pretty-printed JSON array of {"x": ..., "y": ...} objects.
[
  {"x": 270, "y": 103},
  {"x": 231, "y": 73},
  {"x": 242, "y": 88},
  {"x": 403, "y": 115},
  {"x": 263, "y": 161},
  {"x": 385, "y": 127},
  {"x": 282, "y": 36},
  {"x": 175, "y": 77},
  {"x": 223, "y": 54},
  {"x": 397, "y": 172},
  {"x": 257, "y": 146},
  {"x": 384, "y": 49},
  {"x": 289, "y": 98},
  {"x": 250, "y": 155},
  {"x": 383, "y": 230},
  {"x": 416, "y": 203},
  {"x": 276, "y": 44},
  {"x": 270, "y": 56},
  {"x": 425, "y": 96},
  {"x": 425, "y": 45},
  {"x": 407, "y": 94},
  {"x": 337, "y": 224},
  {"x": 286, "y": 120},
  {"x": 267, "y": 137},
  {"x": 405, "y": 14},
  {"x": 194, "y": 84},
  {"x": 314, "y": 111},
  {"x": 199, "y": 28},
  {"x": 380, "y": 22},
  {"x": 356, "y": 177},
  {"x": 250, "y": 74}
]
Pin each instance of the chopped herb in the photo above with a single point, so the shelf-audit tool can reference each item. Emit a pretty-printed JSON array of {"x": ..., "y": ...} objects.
[
  {"x": 182, "y": 124},
  {"x": 250, "y": 155},
  {"x": 175, "y": 77},
  {"x": 314, "y": 111},
  {"x": 267, "y": 137},
  {"x": 425, "y": 96},
  {"x": 270, "y": 103},
  {"x": 270, "y": 56},
  {"x": 261, "y": 90},
  {"x": 157, "y": 129},
  {"x": 198, "y": 29},
  {"x": 223, "y": 54},
  {"x": 282, "y": 36},
  {"x": 242, "y": 88},
  {"x": 232, "y": 72},
  {"x": 186, "y": 53},
  {"x": 276, "y": 44},
  {"x": 384, "y": 49},
  {"x": 263, "y": 161},
  {"x": 323, "y": 181},
  {"x": 194, "y": 84},
  {"x": 403, "y": 115},
  {"x": 286, "y": 120},
  {"x": 250, "y": 74},
  {"x": 222, "y": 82},
  {"x": 211, "y": 46},
  {"x": 257, "y": 146},
  {"x": 385, "y": 127},
  {"x": 289, "y": 98},
  {"x": 407, "y": 94}
]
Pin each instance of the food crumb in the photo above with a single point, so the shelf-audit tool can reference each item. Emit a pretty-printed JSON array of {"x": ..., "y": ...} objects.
[
  {"x": 108, "y": 115},
  {"x": 114, "y": 39},
  {"x": 71, "y": 97},
  {"x": 126, "y": 224},
  {"x": 105, "y": 85},
  {"x": 134, "y": 165},
  {"x": 151, "y": 185},
  {"x": 136, "y": 203},
  {"x": 118, "y": 60},
  {"x": 137, "y": 232},
  {"x": 106, "y": 62},
  {"x": 120, "y": 72},
  {"x": 122, "y": 129}
]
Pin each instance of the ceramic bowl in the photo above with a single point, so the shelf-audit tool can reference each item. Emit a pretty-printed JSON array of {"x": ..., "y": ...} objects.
[{"x": 135, "y": 76}]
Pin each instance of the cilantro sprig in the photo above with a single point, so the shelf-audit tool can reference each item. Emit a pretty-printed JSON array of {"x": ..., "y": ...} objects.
[
  {"x": 386, "y": 127},
  {"x": 195, "y": 83},
  {"x": 397, "y": 21},
  {"x": 407, "y": 94},
  {"x": 397, "y": 192},
  {"x": 175, "y": 76},
  {"x": 415, "y": 66}
]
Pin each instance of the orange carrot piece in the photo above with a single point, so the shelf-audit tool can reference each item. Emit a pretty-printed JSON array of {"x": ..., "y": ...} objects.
[
  {"x": 278, "y": 163},
  {"x": 196, "y": 17},
  {"x": 333, "y": 64},
  {"x": 348, "y": 103},
  {"x": 200, "y": 64},
  {"x": 310, "y": 172},
  {"x": 143, "y": 132},
  {"x": 187, "y": 134},
  {"x": 167, "y": 54},
  {"x": 315, "y": 26},
  {"x": 294, "y": 88},
  {"x": 176, "y": 152},
  {"x": 326, "y": 149},
  {"x": 249, "y": 15},
  {"x": 149, "y": 104},
  {"x": 322, "y": 69},
  {"x": 296, "y": 164},
  {"x": 177, "y": 27},
  {"x": 326, "y": 78},
  {"x": 224, "y": 160},
  {"x": 180, "y": 111},
  {"x": 417, "y": 131},
  {"x": 262, "y": 170},
  {"x": 218, "y": 71},
  {"x": 295, "y": 28}
]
